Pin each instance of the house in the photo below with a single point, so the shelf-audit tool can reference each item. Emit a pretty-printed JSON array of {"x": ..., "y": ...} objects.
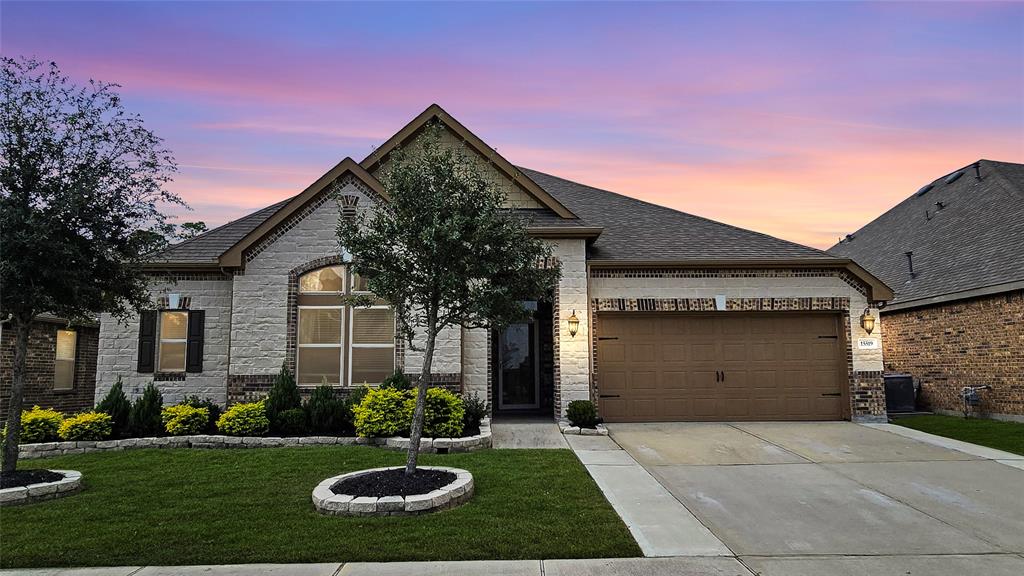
[
  {"x": 954, "y": 254},
  {"x": 61, "y": 364},
  {"x": 658, "y": 315}
]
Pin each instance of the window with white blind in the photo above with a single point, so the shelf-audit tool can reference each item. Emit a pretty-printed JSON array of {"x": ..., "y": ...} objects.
[
  {"x": 340, "y": 344},
  {"x": 173, "y": 341},
  {"x": 64, "y": 361}
]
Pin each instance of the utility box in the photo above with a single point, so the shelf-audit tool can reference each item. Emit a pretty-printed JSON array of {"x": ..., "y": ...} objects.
[{"x": 900, "y": 393}]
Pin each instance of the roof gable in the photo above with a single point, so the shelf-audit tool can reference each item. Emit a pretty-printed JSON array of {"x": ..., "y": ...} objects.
[
  {"x": 522, "y": 182},
  {"x": 232, "y": 257}
]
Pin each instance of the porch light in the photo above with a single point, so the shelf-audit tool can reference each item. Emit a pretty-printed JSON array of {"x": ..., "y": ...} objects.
[
  {"x": 574, "y": 324},
  {"x": 867, "y": 321}
]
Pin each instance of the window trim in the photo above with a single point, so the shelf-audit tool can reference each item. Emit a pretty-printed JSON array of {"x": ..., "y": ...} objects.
[
  {"x": 160, "y": 342},
  {"x": 73, "y": 359},
  {"x": 340, "y": 345},
  {"x": 352, "y": 344}
]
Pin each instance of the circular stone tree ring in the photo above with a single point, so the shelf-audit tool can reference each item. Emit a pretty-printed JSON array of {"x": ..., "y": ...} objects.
[{"x": 453, "y": 494}]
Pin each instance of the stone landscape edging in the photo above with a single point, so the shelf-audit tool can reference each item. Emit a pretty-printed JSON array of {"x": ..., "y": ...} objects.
[
  {"x": 209, "y": 441},
  {"x": 599, "y": 430},
  {"x": 448, "y": 496},
  {"x": 69, "y": 484}
]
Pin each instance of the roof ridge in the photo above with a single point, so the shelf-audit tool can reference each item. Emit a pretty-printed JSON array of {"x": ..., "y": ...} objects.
[{"x": 688, "y": 214}]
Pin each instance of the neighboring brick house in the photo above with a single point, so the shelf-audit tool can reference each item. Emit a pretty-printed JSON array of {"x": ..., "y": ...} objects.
[
  {"x": 658, "y": 315},
  {"x": 61, "y": 365},
  {"x": 954, "y": 254}
]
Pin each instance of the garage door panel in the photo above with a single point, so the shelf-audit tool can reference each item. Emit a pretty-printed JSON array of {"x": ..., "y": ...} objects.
[{"x": 667, "y": 367}]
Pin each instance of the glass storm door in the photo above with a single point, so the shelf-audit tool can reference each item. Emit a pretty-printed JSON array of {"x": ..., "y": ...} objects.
[{"x": 519, "y": 370}]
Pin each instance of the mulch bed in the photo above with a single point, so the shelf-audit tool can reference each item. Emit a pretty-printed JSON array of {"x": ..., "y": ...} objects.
[
  {"x": 26, "y": 477},
  {"x": 394, "y": 483}
]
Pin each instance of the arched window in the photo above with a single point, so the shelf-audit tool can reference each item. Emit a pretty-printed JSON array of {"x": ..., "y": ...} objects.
[{"x": 340, "y": 344}]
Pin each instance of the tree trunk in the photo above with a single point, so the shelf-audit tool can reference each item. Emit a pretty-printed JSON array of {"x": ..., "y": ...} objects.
[
  {"x": 13, "y": 436},
  {"x": 421, "y": 400}
]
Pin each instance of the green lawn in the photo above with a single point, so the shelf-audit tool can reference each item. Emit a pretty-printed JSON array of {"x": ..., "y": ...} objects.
[
  {"x": 1008, "y": 436},
  {"x": 168, "y": 507}
]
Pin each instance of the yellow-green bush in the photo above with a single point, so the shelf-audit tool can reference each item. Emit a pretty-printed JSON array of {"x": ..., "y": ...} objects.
[
  {"x": 244, "y": 420},
  {"x": 87, "y": 426},
  {"x": 40, "y": 425},
  {"x": 442, "y": 414},
  {"x": 383, "y": 412},
  {"x": 182, "y": 419}
]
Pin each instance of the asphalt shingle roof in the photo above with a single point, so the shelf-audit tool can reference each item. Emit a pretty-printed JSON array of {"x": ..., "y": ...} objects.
[
  {"x": 633, "y": 230},
  {"x": 976, "y": 240},
  {"x": 637, "y": 230},
  {"x": 207, "y": 247}
]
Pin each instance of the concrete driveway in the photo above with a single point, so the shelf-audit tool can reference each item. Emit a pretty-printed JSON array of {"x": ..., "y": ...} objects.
[{"x": 837, "y": 497}]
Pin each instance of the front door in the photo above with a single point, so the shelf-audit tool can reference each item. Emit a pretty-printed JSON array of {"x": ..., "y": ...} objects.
[{"x": 519, "y": 369}]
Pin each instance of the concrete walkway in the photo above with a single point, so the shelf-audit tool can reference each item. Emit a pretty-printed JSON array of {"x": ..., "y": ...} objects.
[
  {"x": 526, "y": 433},
  {"x": 597, "y": 567},
  {"x": 1007, "y": 458},
  {"x": 661, "y": 525}
]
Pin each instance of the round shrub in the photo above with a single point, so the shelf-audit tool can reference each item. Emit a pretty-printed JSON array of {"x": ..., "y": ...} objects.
[
  {"x": 292, "y": 422},
  {"x": 87, "y": 426},
  {"x": 442, "y": 414},
  {"x": 248, "y": 419},
  {"x": 182, "y": 419},
  {"x": 582, "y": 413},
  {"x": 383, "y": 412},
  {"x": 476, "y": 411},
  {"x": 212, "y": 408},
  {"x": 40, "y": 425}
]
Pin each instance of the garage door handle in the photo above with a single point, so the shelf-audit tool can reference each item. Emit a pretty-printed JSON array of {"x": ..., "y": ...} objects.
[
  {"x": 607, "y": 337},
  {"x": 833, "y": 394},
  {"x": 609, "y": 396}
]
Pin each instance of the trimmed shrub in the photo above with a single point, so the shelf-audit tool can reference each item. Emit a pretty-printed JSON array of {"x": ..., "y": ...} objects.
[
  {"x": 348, "y": 416},
  {"x": 212, "y": 408},
  {"x": 442, "y": 413},
  {"x": 87, "y": 426},
  {"x": 293, "y": 422},
  {"x": 182, "y": 419},
  {"x": 116, "y": 404},
  {"x": 476, "y": 411},
  {"x": 39, "y": 425},
  {"x": 244, "y": 420},
  {"x": 326, "y": 411},
  {"x": 383, "y": 412},
  {"x": 398, "y": 381},
  {"x": 582, "y": 413},
  {"x": 144, "y": 418},
  {"x": 284, "y": 395}
]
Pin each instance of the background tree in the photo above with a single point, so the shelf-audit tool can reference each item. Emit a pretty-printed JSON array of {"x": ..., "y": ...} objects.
[
  {"x": 79, "y": 179},
  {"x": 445, "y": 251}
]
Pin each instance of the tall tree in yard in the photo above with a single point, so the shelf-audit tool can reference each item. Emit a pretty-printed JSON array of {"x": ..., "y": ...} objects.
[
  {"x": 81, "y": 185},
  {"x": 445, "y": 251}
]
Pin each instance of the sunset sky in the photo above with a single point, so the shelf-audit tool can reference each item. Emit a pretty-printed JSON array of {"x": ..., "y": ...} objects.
[{"x": 802, "y": 120}]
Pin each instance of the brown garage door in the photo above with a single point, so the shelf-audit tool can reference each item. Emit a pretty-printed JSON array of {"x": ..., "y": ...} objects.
[{"x": 719, "y": 367}]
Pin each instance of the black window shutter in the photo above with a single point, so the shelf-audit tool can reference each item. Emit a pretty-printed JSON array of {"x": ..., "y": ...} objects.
[
  {"x": 147, "y": 341},
  {"x": 194, "y": 348}
]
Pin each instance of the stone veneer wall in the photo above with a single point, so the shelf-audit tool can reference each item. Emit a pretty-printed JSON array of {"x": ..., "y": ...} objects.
[
  {"x": 966, "y": 343},
  {"x": 119, "y": 342},
  {"x": 694, "y": 290},
  {"x": 42, "y": 353},
  {"x": 571, "y": 353}
]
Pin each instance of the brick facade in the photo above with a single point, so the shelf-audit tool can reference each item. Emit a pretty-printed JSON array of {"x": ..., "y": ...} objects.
[
  {"x": 966, "y": 343},
  {"x": 40, "y": 369}
]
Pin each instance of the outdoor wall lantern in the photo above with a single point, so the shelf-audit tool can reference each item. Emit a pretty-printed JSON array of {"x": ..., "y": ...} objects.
[
  {"x": 867, "y": 321},
  {"x": 574, "y": 324}
]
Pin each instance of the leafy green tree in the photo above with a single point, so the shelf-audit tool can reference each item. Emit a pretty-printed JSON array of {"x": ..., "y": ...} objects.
[
  {"x": 445, "y": 251},
  {"x": 80, "y": 177}
]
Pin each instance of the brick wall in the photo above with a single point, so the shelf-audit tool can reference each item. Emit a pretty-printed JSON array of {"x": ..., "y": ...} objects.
[
  {"x": 966, "y": 343},
  {"x": 41, "y": 353}
]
